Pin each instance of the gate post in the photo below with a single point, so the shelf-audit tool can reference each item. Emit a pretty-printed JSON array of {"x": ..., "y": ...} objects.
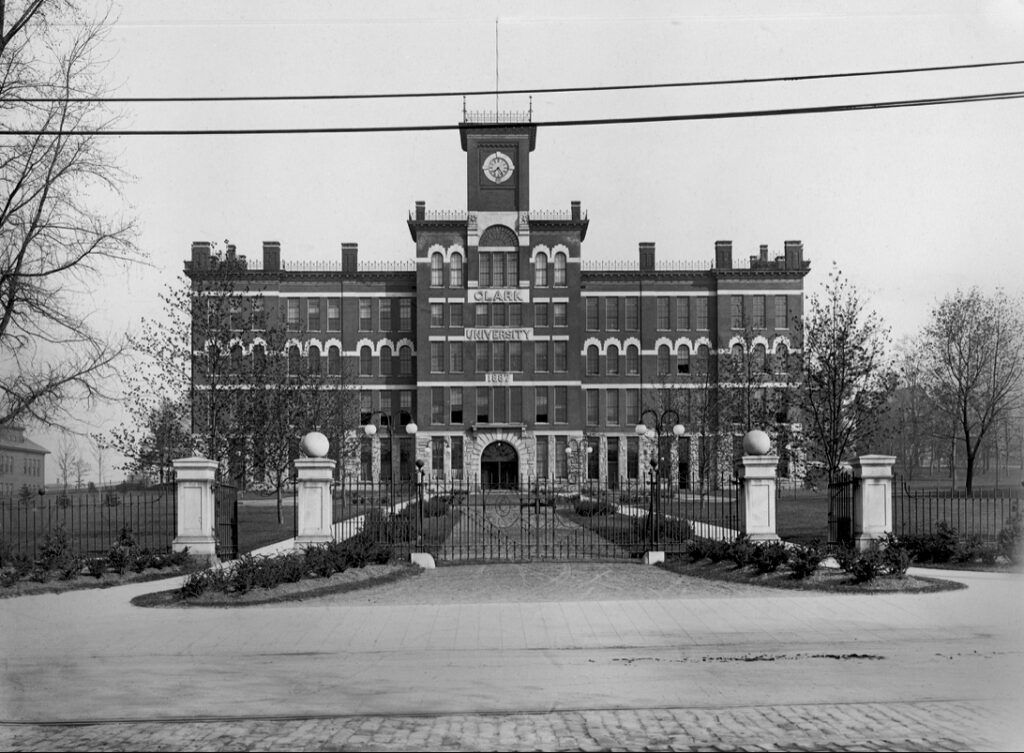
[
  {"x": 757, "y": 471},
  {"x": 872, "y": 499},
  {"x": 314, "y": 505},
  {"x": 196, "y": 521}
]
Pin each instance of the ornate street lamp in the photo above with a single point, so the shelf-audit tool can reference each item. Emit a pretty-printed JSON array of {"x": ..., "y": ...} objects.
[
  {"x": 576, "y": 447},
  {"x": 661, "y": 423},
  {"x": 370, "y": 429}
]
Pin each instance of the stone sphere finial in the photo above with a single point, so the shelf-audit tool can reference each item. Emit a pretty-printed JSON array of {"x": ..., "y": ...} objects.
[
  {"x": 314, "y": 445},
  {"x": 756, "y": 442}
]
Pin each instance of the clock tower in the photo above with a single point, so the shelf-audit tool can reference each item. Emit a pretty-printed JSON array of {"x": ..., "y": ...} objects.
[{"x": 498, "y": 150}]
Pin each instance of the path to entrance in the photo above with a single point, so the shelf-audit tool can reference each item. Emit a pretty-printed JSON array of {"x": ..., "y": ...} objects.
[{"x": 537, "y": 656}]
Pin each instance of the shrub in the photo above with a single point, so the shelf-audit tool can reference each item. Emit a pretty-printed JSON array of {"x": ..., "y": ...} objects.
[
  {"x": 969, "y": 549},
  {"x": 96, "y": 566},
  {"x": 804, "y": 560},
  {"x": 318, "y": 560},
  {"x": 293, "y": 567},
  {"x": 718, "y": 550},
  {"x": 55, "y": 548},
  {"x": 245, "y": 573},
  {"x": 6, "y": 553},
  {"x": 8, "y": 578},
  {"x": 664, "y": 529},
  {"x": 767, "y": 557},
  {"x": 195, "y": 584},
  {"x": 69, "y": 566},
  {"x": 1010, "y": 538},
  {"x": 110, "y": 499},
  {"x": 847, "y": 556},
  {"x": 176, "y": 559},
  {"x": 122, "y": 554},
  {"x": 696, "y": 550},
  {"x": 866, "y": 567},
  {"x": 22, "y": 565},
  {"x": 588, "y": 508},
  {"x": 742, "y": 550}
]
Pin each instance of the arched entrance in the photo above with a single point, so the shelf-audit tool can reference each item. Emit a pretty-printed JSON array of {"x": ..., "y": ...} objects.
[{"x": 499, "y": 466}]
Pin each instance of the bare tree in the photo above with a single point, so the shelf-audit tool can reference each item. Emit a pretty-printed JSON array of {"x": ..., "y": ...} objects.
[
  {"x": 975, "y": 345},
  {"x": 54, "y": 238},
  {"x": 847, "y": 373},
  {"x": 66, "y": 453},
  {"x": 99, "y": 457},
  {"x": 81, "y": 468},
  {"x": 914, "y": 424}
]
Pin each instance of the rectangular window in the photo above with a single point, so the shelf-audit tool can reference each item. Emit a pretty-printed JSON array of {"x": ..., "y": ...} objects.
[
  {"x": 437, "y": 455},
  {"x": 366, "y": 459},
  {"x": 437, "y": 315},
  {"x": 541, "y": 400},
  {"x": 515, "y": 356},
  {"x": 500, "y": 354},
  {"x": 334, "y": 314},
  {"x": 561, "y": 464},
  {"x": 365, "y": 315},
  {"x": 611, "y": 313},
  {"x": 437, "y": 358},
  {"x": 561, "y": 405},
  {"x": 632, "y": 313},
  {"x": 499, "y": 314},
  {"x": 592, "y": 321},
  {"x": 385, "y": 315},
  {"x": 455, "y": 353},
  {"x": 405, "y": 314},
  {"x": 540, "y": 315},
  {"x": 259, "y": 315},
  {"x": 313, "y": 314},
  {"x": 405, "y": 407},
  {"x": 483, "y": 357},
  {"x": 702, "y": 313},
  {"x": 456, "y": 405},
  {"x": 662, "y": 313},
  {"x": 736, "y": 311},
  {"x": 633, "y": 457},
  {"x": 484, "y": 271},
  {"x": 540, "y": 357},
  {"x": 499, "y": 405},
  {"x": 437, "y": 405},
  {"x": 632, "y": 407},
  {"x": 561, "y": 348},
  {"x": 457, "y": 456},
  {"x": 543, "y": 469},
  {"x": 560, "y": 318},
  {"x": 293, "y": 313},
  {"x": 612, "y": 407},
  {"x": 682, "y": 314},
  {"x": 483, "y": 315},
  {"x": 455, "y": 315},
  {"x": 365, "y": 407},
  {"x": 781, "y": 319},
  {"x": 758, "y": 314},
  {"x": 512, "y": 269},
  {"x": 515, "y": 315},
  {"x": 385, "y": 408},
  {"x": 483, "y": 405},
  {"x": 515, "y": 405},
  {"x": 593, "y": 408}
]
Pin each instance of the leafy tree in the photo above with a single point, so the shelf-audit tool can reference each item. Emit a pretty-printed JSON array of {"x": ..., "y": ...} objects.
[
  {"x": 55, "y": 240},
  {"x": 847, "y": 373},
  {"x": 975, "y": 348},
  {"x": 913, "y": 424}
]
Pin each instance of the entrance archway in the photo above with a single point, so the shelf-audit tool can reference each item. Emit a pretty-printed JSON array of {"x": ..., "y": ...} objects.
[{"x": 499, "y": 466}]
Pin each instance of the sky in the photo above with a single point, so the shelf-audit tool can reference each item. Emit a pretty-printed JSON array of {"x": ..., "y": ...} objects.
[{"x": 909, "y": 203}]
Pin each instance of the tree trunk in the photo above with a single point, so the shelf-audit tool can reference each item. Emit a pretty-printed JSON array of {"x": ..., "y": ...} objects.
[{"x": 280, "y": 501}]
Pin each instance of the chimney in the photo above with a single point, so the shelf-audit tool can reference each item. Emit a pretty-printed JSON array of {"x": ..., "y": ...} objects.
[
  {"x": 200, "y": 255},
  {"x": 764, "y": 253},
  {"x": 231, "y": 252},
  {"x": 646, "y": 256},
  {"x": 350, "y": 251},
  {"x": 421, "y": 210},
  {"x": 575, "y": 210},
  {"x": 794, "y": 254},
  {"x": 271, "y": 256},
  {"x": 723, "y": 254}
]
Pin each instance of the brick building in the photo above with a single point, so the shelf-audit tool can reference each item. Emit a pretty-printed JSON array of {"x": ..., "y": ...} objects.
[
  {"x": 513, "y": 357},
  {"x": 22, "y": 462}
]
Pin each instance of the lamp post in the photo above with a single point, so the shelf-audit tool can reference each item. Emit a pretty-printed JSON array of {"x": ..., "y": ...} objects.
[
  {"x": 420, "y": 471},
  {"x": 576, "y": 447},
  {"x": 370, "y": 429},
  {"x": 662, "y": 421}
]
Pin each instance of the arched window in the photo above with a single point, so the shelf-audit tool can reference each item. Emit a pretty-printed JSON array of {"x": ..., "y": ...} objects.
[
  {"x": 236, "y": 359},
  {"x": 294, "y": 361},
  {"x": 612, "y": 359},
  {"x": 334, "y": 361},
  {"x": 683, "y": 360},
  {"x": 703, "y": 359},
  {"x": 405, "y": 360},
  {"x": 559, "y": 280},
  {"x": 632, "y": 360},
  {"x": 663, "y": 361},
  {"x": 760, "y": 359},
  {"x": 455, "y": 271},
  {"x": 436, "y": 270},
  {"x": 736, "y": 352},
  {"x": 259, "y": 359},
  {"x": 540, "y": 271},
  {"x": 365, "y": 361},
  {"x": 314, "y": 359},
  {"x": 781, "y": 359},
  {"x": 593, "y": 361},
  {"x": 385, "y": 361}
]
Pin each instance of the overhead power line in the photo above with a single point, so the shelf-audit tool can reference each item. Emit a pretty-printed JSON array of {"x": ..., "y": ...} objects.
[
  {"x": 490, "y": 92},
  {"x": 959, "y": 99}
]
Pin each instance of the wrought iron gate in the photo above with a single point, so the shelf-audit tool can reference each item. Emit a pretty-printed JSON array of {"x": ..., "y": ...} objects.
[
  {"x": 840, "y": 509},
  {"x": 226, "y": 502}
]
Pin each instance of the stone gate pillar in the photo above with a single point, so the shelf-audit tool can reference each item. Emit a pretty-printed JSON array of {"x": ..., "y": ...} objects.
[
  {"x": 196, "y": 529},
  {"x": 757, "y": 471},
  {"x": 872, "y": 499},
  {"x": 314, "y": 503}
]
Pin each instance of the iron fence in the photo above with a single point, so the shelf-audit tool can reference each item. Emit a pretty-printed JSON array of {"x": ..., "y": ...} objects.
[
  {"x": 983, "y": 512},
  {"x": 93, "y": 521},
  {"x": 840, "y": 509},
  {"x": 459, "y": 520}
]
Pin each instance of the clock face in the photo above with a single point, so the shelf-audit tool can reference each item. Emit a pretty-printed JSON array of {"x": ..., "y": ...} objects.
[{"x": 498, "y": 167}]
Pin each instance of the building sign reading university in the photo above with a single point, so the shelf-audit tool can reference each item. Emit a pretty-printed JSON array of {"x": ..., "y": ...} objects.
[{"x": 499, "y": 334}]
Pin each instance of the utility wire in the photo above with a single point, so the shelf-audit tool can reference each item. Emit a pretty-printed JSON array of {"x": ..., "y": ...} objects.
[
  {"x": 960, "y": 99},
  {"x": 488, "y": 92}
]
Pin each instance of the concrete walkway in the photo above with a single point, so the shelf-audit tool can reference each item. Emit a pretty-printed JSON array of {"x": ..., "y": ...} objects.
[{"x": 535, "y": 656}]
